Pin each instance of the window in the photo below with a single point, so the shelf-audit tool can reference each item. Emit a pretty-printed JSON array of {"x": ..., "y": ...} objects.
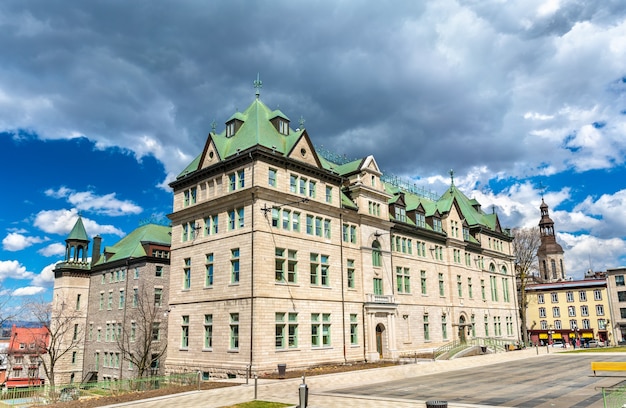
[
  {"x": 110, "y": 300},
  {"x": 444, "y": 327},
  {"x": 75, "y": 336},
  {"x": 271, "y": 177},
  {"x": 423, "y": 282},
  {"x": 540, "y": 298},
  {"x": 586, "y": 324},
  {"x": 557, "y": 325},
  {"x": 597, "y": 294},
  {"x": 309, "y": 224},
  {"x": 403, "y": 280},
  {"x": 437, "y": 224},
  {"x": 293, "y": 183},
  {"x": 158, "y": 297},
  {"x": 420, "y": 220},
  {"x": 329, "y": 194},
  {"x": 459, "y": 285},
  {"x": 441, "y": 285},
  {"x": 236, "y": 180},
  {"x": 354, "y": 330},
  {"x": 426, "y": 328},
  {"x": 319, "y": 269},
  {"x": 619, "y": 280},
  {"x": 320, "y": 329},
  {"x": 189, "y": 196},
  {"x": 184, "y": 343},
  {"x": 486, "y": 322},
  {"x": 401, "y": 214},
  {"x": 584, "y": 310},
  {"x": 136, "y": 274},
  {"x": 234, "y": 331},
  {"x": 599, "y": 310},
  {"x": 101, "y": 300},
  {"x": 208, "y": 331},
  {"x": 378, "y": 286},
  {"x": 135, "y": 297},
  {"x": 621, "y": 296},
  {"x": 376, "y": 254},
  {"x": 571, "y": 311},
  {"x": 78, "y": 302},
  {"x": 556, "y": 312},
  {"x": 208, "y": 266},
  {"x": 234, "y": 265},
  {"x": 290, "y": 264},
  {"x": 158, "y": 272},
  {"x": 351, "y": 273},
  {"x": 156, "y": 331},
  {"x": 318, "y": 226},
  {"x": 482, "y": 289},
  {"x": 327, "y": 228},
  {"x": 187, "y": 274},
  {"x": 295, "y": 222},
  {"x": 312, "y": 189},
  {"x": 286, "y": 220},
  {"x": 622, "y": 312},
  {"x": 555, "y": 297},
  {"x": 569, "y": 296},
  {"x": 582, "y": 296},
  {"x": 286, "y": 331},
  {"x": 470, "y": 293},
  {"x": 505, "y": 289},
  {"x": 133, "y": 331},
  {"x": 542, "y": 312},
  {"x": 544, "y": 325},
  {"x": 122, "y": 299}
]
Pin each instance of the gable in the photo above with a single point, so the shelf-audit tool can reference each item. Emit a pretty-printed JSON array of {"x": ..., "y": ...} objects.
[
  {"x": 304, "y": 151},
  {"x": 370, "y": 164},
  {"x": 210, "y": 155}
]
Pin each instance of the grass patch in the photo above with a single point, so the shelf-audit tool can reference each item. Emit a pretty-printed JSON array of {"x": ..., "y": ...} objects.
[
  {"x": 618, "y": 349},
  {"x": 260, "y": 404}
]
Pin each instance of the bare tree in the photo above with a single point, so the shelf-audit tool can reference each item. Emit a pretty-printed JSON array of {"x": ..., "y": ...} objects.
[
  {"x": 142, "y": 340},
  {"x": 7, "y": 313},
  {"x": 66, "y": 333},
  {"x": 525, "y": 246}
]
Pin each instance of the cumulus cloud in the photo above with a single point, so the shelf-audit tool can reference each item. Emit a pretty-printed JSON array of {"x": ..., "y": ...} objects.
[
  {"x": 14, "y": 270},
  {"x": 106, "y": 204},
  {"x": 28, "y": 291},
  {"x": 62, "y": 221},
  {"x": 45, "y": 278},
  {"x": 52, "y": 250},
  {"x": 16, "y": 242}
]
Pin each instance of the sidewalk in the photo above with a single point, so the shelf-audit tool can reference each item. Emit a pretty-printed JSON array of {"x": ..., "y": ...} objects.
[{"x": 321, "y": 387}]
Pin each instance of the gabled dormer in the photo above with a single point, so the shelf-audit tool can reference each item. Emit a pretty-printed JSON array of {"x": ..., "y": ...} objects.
[
  {"x": 435, "y": 222},
  {"x": 280, "y": 122},
  {"x": 234, "y": 123},
  {"x": 397, "y": 207},
  {"x": 418, "y": 216}
]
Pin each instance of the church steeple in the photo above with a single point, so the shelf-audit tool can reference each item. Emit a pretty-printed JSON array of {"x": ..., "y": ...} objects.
[{"x": 550, "y": 253}]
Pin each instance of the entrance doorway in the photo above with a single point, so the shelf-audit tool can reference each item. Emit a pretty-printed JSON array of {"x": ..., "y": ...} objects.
[{"x": 380, "y": 329}]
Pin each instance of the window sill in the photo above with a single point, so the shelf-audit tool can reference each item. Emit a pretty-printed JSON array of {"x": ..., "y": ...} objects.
[
  {"x": 183, "y": 349},
  {"x": 207, "y": 349}
]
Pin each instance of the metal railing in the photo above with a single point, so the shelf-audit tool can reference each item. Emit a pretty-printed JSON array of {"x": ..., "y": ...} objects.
[
  {"x": 25, "y": 397},
  {"x": 456, "y": 346}
]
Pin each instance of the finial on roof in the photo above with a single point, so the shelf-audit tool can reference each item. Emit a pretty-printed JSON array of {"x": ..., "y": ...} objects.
[
  {"x": 543, "y": 189},
  {"x": 301, "y": 122},
  {"x": 451, "y": 177},
  {"x": 258, "y": 84},
  {"x": 213, "y": 126}
]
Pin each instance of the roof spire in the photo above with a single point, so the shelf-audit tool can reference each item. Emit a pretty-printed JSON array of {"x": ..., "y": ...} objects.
[
  {"x": 258, "y": 84},
  {"x": 301, "y": 122},
  {"x": 451, "y": 177}
]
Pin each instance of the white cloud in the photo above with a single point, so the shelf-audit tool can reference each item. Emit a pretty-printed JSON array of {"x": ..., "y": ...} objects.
[
  {"x": 14, "y": 270},
  {"x": 583, "y": 252},
  {"x": 62, "y": 221},
  {"x": 52, "y": 250},
  {"x": 106, "y": 204},
  {"x": 16, "y": 242},
  {"x": 28, "y": 291},
  {"x": 45, "y": 278}
]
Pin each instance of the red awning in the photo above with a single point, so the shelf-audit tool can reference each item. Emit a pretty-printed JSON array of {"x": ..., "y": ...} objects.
[{"x": 24, "y": 382}]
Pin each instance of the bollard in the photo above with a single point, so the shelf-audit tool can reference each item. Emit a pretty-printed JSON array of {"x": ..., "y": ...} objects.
[
  {"x": 303, "y": 393},
  {"x": 256, "y": 381}
]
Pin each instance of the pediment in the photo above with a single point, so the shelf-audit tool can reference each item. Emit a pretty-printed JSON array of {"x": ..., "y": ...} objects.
[
  {"x": 210, "y": 156},
  {"x": 304, "y": 151}
]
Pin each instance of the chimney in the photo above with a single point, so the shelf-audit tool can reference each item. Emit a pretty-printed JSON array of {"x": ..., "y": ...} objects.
[{"x": 95, "y": 251}]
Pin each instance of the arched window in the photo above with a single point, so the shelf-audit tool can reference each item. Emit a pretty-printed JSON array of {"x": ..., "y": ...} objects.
[
  {"x": 492, "y": 267},
  {"x": 553, "y": 264},
  {"x": 376, "y": 254},
  {"x": 503, "y": 270}
]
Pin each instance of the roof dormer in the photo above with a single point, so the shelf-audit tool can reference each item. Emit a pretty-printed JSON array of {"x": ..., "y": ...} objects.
[
  {"x": 233, "y": 124},
  {"x": 280, "y": 122}
]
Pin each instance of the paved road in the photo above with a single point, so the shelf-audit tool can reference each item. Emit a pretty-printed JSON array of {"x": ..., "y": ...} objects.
[
  {"x": 559, "y": 380},
  {"x": 513, "y": 379}
]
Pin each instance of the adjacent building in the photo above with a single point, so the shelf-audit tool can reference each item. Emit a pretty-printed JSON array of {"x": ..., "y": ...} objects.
[
  {"x": 110, "y": 311},
  {"x": 281, "y": 254},
  {"x": 23, "y": 359},
  {"x": 616, "y": 288}
]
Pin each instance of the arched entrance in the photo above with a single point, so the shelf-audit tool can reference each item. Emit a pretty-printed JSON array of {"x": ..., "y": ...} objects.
[
  {"x": 380, "y": 329},
  {"x": 462, "y": 325}
]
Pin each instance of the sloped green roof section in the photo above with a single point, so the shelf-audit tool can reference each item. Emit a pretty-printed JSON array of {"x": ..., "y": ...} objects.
[
  {"x": 132, "y": 244},
  {"x": 78, "y": 233},
  {"x": 472, "y": 215}
]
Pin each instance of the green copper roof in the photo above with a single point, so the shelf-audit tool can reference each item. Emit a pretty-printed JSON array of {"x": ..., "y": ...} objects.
[
  {"x": 78, "y": 233},
  {"x": 132, "y": 244}
]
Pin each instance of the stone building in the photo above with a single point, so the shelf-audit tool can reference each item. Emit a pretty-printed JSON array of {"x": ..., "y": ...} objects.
[
  {"x": 550, "y": 253},
  {"x": 117, "y": 302},
  {"x": 616, "y": 288},
  {"x": 283, "y": 255}
]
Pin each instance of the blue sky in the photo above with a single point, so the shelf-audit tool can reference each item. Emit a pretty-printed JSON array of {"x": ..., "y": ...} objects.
[{"x": 102, "y": 103}]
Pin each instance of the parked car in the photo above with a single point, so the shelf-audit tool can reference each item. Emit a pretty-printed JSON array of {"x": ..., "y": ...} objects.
[{"x": 595, "y": 343}]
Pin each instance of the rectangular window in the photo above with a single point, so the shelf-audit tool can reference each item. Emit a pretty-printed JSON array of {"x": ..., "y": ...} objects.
[
  {"x": 571, "y": 311},
  {"x": 505, "y": 289},
  {"x": 187, "y": 274},
  {"x": 599, "y": 310},
  {"x": 318, "y": 226},
  {"x": 101, "y": 300},
  {"x": 554, "y": 297},
  {"x": 271, "y": 178},
  {"x": 441, "y": 285},
  {"x": 403, "y": 280},
  {"x": 158, "y": 297},
  {"x": 231, "y": 220},
  {"x": 569, "y": 296},
  {"x": 582, "y": 295},
  {"x": 354, "y": 329},
  {"x": 351, "y": 273},
  {"x": 286, "y": 331},
  {"x": 327, "y": 228},
  {"x": 122, "y": 299},
  {"x": 234, "y": 265},
  {"x": 459, "y": 285},
  {"x": 320, "y": 330},
  {"x": 78, "y": 302},
  {"x": 208, "y": 266},
  {"x": 329, "y": 194},
  {"x": 286, "y": 268},
  {"x": 482, "y": 289},
  {"x": 621, "y": 296},
  {"x": 295, "y": 222},
  {"x": 423, "y": 282},
  {"x": 494, "y": 288},
  {"x": 444, "y": 327},
  {"x": 110, "y": 301},
  {"x": 156, "y": 331},
  {"x": 597, "y": 294},
  {"x": 540, "y": 298},
  {"x": 470, "y": 294},
  {"x": 286, "y": 220},
  {"x": 378, "y": 286},
  {"x": 293, "y": 183},
  {"x": 312, "y": 189},
  {"x": 232, "y": 182},
  {"x": 184, "y": 343},
  {"x": 234, "y": 331},
  {"x": 542, "y": 312},
  {"x": 133, "y": 331},
  {"x": 303, "y": 186},
  {"x": 556, "y": 312},
  {"x": 619, "y": 280},
  {"x": 309, "y": 224},
  {"x": 584, "y": 310},
  {"x": 208, "y": 331},
  {"x": 426, "y": 328}
]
